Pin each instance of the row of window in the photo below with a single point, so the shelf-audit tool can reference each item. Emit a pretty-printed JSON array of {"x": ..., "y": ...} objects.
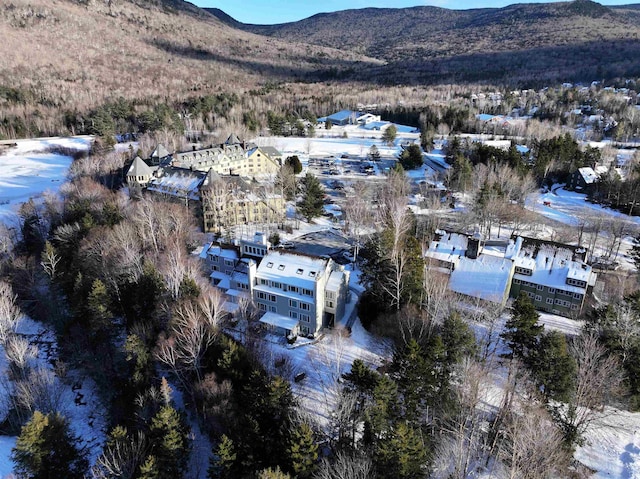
[
  {"x": 576, "y": 282},
  {"x": 305, "y": 318},
  {"x": 267, "y": 296},
  {"x": 299, "y": 305},
  {"x": 540, "y": 287},
  {"x": 285, "y": 287},
  {"x": 525, "y": 271}
]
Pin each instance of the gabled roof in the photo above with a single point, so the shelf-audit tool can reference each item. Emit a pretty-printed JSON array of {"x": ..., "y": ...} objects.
[
  {"x": 591, "y": 175},
  {"x": 270, "y": 151},
  {"x": 232, "y": 140},
  {"x": 160, "y": 152},
  {"x": 139, "y": 168}
]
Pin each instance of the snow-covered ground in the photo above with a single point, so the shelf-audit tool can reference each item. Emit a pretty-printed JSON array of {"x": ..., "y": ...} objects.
[
  {"x": 29, "y": 169},
  {"x": 75, "y": 397},
  {"x": 570, "y": 207}
]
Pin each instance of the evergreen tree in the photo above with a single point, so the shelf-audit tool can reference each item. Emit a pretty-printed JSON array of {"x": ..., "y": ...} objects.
[
  {"x": 303, "y": 451},
  {"x": 97, "y": 309},
  {"x": 411, "y": 157},
  {"x": 458, "y": 340},
  {"x": 383, "y": 412},
  {"x": 634, "y": 253},
  {"x": 374, "y": 153},
  {"x": 389, "y": 135},
  {"x": 522, "y": 331},
  {"x": 554, "y": 367},
  {"x": 168, "y": 434},
  {"x": 403, "y": 455},
  {"x": 461, "y": 172},
  {"x": 47, "y": 449},
  {"x": 273, "y": 474},
  {"x": 311, "y": 203},
  {"x": 224, "y": 465},
  {"x": 149, "y": 469},
  {"x": 295, "y": 163}
]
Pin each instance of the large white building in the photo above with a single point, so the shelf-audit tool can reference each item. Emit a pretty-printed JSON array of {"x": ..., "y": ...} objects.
[{"x": 300, "y": 293}]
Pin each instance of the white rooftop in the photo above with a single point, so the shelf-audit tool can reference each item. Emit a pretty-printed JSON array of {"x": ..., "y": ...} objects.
[
  {"x": 487, "y": 277},
  {"x": 294, "y": 269},
  {"x": 279, "y": 321}
]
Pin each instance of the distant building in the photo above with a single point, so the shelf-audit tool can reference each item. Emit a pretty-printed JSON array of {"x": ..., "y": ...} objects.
[
  {"x": 176, "y": 183},
  {"x": 231, "y": 159},
  {"x": 554, "y": 275},
  {"x": 584, "y": 179},
  {"x": 139, "y": 173},
  {"x": 228, "y": 201}
]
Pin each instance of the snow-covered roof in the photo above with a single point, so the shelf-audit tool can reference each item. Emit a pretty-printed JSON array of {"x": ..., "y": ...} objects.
[
  {"x": 139, "y": 168},
  {"x": 335, "y": 280},
  {"x": 340, "y": 115},
  {"x": 449, "y": 248},
  {"x": 291, "y": 268},
  {"x": 178, "y": 182},
  {"x": 271, "y": 151},
  {"x": 160, "y": 152},
  {"x": 279, "y": 321},
  {"x": 591, "y": 175},
  {"x": 487, "y": 277},
  {"x": 550, "y": 265}
]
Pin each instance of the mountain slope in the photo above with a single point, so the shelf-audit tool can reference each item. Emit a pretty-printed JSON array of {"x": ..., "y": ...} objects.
[
  {"x": 74, "y": 53},
  {"x": 570, "y": 34}
]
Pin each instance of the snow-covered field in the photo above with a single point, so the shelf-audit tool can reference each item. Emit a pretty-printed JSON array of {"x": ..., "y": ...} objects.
[{"x": 29, "y": 169}]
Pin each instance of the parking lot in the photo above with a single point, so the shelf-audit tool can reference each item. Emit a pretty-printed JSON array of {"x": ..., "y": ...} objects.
[{"x": 323, "y": 243}]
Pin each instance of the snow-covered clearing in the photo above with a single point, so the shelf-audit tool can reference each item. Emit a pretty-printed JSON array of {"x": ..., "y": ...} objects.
[
  {"x": 28, "y": 170},
  {"x": 571, "y": 208}
]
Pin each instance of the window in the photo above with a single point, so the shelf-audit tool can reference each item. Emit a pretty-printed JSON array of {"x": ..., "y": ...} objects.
[
  {"x": 293, "y": 303},
  {"x": 524, "y": 271},
  {"x": 552, "y": 290},
  {"x": 307, "y": 292},
  {"x": 329, "y": 304},
  {"x": 305, "y": 306},
  {"x": 276, "y": 285},
  {"x": 574, "y": 307},
  {"x": 549, "y": 300},
  {"x": 281, "y": 267},
  {"x": 294, "y": 289},
  {"x": 538, "y": 297},
  {"x": 263, "y": 282},
  {"x": 305, "y": 318},
  {"x": 273, "y": 309},
  {"x": 293, "y": 314},
  {"x": 516, "y": 281},
  {"x": 539, "y": 287},
  {"x": 299, "y": 271},
  {"x": 262, "y": 307},
  {"x": 312, "y": 274},
  {"x": 577, "y": 295}
]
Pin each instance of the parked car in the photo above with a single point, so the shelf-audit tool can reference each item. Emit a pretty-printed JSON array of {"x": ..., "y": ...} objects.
[{"x": 286, "y": 244}]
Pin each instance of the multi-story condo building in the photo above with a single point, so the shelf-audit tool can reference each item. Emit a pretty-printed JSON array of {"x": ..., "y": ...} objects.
[
  {"x": 300, "y": 294},
  {"x": 554, "y": 275}
]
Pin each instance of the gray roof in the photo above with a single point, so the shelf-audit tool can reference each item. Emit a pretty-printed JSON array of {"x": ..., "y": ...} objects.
[
  {"x": 232, "y": 140},
  {"x": 271, "y": 151},
  {"x": 160, "y": 152},
  {"x": 139, "y": 168}
]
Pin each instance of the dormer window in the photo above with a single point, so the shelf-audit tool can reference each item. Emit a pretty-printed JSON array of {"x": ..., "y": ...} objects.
[
  {"x": 269, "y": 264},
  {"x": 312, "y": 274},
  {"x": 281, "y": 267},
  {"x": 299, "y": 271}
]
